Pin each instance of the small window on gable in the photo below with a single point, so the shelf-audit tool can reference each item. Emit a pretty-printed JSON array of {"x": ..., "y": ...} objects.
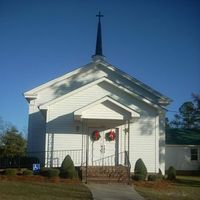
[{"x": 194, "y": 154}]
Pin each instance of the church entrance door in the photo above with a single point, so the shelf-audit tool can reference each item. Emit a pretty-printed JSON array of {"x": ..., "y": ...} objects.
[{"x": 101, "y": 148}]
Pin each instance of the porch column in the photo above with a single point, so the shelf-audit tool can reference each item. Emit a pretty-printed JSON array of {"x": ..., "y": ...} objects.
[
  {"x": 87, "y": 151},
  {"x": 128, "y": 139}
]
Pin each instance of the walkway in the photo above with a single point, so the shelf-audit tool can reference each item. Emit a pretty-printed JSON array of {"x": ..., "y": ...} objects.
[{"x": 113, "y": 192}]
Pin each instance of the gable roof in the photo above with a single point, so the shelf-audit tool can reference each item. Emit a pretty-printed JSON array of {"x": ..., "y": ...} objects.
[
  {"x": 100, "y": 63},
  {"x": 183, "y": 136},
  {"x": 78, "y": 113},
  {"x": 136, "y": 81},
  {"x": 102, "y": 79}
]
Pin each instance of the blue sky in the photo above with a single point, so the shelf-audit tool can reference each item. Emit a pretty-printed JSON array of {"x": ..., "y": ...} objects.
[{"x": 155, "y": 41}]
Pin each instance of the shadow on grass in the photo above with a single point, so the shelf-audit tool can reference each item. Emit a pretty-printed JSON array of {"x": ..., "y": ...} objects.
[{"x": 187, "y": 182}]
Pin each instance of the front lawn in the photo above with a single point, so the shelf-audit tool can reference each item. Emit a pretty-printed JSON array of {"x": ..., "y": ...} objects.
[
  {"x": 184, "y": 188},
  {"x": 23, "y": 190}
]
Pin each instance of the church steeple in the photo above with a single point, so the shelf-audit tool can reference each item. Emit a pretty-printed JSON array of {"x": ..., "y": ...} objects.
[{"x": 98, "y": 50}]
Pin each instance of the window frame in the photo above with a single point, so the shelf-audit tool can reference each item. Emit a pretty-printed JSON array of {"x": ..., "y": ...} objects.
[{"x": 194, "y": 156}]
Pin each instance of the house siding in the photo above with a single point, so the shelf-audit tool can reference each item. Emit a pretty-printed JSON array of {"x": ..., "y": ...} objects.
[
  {"x": 69, "y": 84},
  {"x": 179, "y": 157},
  {"x": 143, "y": 139},
  {"x": 36, "y": 129},
  {"x": 143, "y": 143},
  {"x": 133, "y": 86}
]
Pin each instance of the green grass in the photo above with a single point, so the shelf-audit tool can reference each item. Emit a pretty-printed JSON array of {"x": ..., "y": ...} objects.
[
  {"x": 185, "y": 188},
  {"x": 20, "y": 190}
]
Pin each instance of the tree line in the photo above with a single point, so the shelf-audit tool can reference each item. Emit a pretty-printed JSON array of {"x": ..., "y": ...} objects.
[
  {"x": 188, "y": 115},
  {"x": 12, "y": 142}
]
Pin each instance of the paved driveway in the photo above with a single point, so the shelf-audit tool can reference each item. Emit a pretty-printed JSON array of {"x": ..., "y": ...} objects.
[{"x": 113, "y": 192}]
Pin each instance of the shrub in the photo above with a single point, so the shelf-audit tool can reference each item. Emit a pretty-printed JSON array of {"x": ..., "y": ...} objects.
[
  {"x": 67, "y": 169},
  {"x": 138, "y": 177},
  {"x": 10, "y": 172},
  {"x": 28, "y": 172},
  {"x": 152, "y": 177},
  {"x": 43, "y": 171},
  {"x": 159, "y": 176},
  {"x": 50, "y": 172},
  {"x": 140, "y": 169},
  {"x": 171, "y": 174}
]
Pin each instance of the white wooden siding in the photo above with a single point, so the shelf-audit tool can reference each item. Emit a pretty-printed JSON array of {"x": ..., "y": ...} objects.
[
  {"x": 129, "y": 84},
  {"x": 143, "y": 143},
  {"x": 161, "y": 145},
  {"x": 36, "y": 129},
  {"x": 103, "y": 111},
  {"x": 63, "y": 87},
  {"x": 179, "y": 156},
  {"x": 61, "y": 113},
  {"x": 143, "y": 139},
  {"x": 92, "y": 72},
  {"x": 144, "y": 134},
  {"x": 67, "y": 141}
]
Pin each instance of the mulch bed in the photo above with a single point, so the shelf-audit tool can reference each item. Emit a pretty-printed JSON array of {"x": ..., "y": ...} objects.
[{"x": 38, "y": 178}]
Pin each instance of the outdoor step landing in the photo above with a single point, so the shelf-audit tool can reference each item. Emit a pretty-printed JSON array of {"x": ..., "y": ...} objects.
[{"x": 113, "y": 192}]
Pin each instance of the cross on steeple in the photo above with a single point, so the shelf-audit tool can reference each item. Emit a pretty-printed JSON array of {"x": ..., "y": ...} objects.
[{"x": 99, "y": 16}]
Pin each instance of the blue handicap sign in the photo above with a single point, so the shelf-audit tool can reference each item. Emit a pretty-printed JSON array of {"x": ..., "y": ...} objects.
[{"x": 36, "y": 167}]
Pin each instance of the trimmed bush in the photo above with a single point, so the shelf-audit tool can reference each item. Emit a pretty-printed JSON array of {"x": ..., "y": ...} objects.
[
  {"x": 138, "y": 177},
  {"x": 140, "y": 170},
  {"x": 50, "y": 172},
  {"x": 27, "y": 172},
  {"x": 171, "y": 174},
  {"x": 152, "y": 177},
  {"x": 43, "y": 171},
  {"x": 10, "y": 172},
  {"x": 67, "y": 169}
]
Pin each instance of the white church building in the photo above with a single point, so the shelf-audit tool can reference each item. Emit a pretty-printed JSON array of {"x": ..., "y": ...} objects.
[{"x": 99, "y": 115}]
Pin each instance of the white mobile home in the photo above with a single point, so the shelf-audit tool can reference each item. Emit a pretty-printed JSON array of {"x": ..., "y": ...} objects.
[{"x": 183, "y": 150}]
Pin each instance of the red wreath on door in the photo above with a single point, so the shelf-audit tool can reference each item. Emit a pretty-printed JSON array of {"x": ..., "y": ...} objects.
[
  {"x": 95, "y": 135},
  {"x": 110, "y": 136}
]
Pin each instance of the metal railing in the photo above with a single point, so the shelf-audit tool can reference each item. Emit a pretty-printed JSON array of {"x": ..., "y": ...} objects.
[
  {"x": 112, "y": 160},
  {"x": 54, "y": 158},
  {"x": 45, "y": 158}
]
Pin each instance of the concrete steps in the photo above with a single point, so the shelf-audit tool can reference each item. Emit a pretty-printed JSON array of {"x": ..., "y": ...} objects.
[{"x": 105, "y": 174}]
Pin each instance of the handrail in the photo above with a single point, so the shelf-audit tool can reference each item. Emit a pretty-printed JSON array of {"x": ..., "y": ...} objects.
[
  {"x": 112, "y": 160},
  {"x": 54, "y": 158},
  {"x": 109, "y": 160},
  {"x": 120, "y": 159}
]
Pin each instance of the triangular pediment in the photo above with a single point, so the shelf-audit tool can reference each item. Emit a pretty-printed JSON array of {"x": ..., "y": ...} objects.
[
  {"x": 105, "y": 108},
  {"x": 90, "y": 73},
  {"x": 97, "y": 82}
]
